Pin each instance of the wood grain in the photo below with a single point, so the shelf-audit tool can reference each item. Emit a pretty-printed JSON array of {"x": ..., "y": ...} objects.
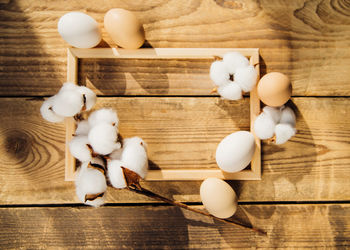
[
  {"x": 306, "y": 226},
  {"x": 182, "y": 132},
  {"x": 307, "y": 40}
]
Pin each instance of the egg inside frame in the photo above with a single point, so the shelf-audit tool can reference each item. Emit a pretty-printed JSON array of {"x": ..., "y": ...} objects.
[{"x": 253, "y": 173}]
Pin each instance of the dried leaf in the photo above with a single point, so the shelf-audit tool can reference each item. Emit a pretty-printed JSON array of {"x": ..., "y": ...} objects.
[
  {"x": 132, "y": 179},
  {"x": 217, "y": 58},
  {"x": 91, "y": 197},
  {"x": 93, "y": 154},
  {"x": 97, "y": 167},
  {"x": 84, "y": 101}
]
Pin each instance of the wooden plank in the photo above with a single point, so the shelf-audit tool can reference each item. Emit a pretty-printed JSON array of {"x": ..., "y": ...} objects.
[
  {"x": 306, "y": 40},
  {"x": 312, "y": 166},
  {"x": 72, "y": 76},
  {"x": 288, "y": 226}
]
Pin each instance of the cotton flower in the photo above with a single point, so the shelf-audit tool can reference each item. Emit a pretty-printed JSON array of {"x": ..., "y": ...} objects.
[
  {"x": 90, "y": 185},
  {"x": 47, "y": 113},
  {"x": 246, "y": 77},
  {"x": 233, "y": 61},
  {"x": 275, "y": 121},
  {"x": 68, "y": 103},
  {"x": 68, "y": 86},
  {"x": 234, "y": 65},
  {"x": 230, "y": 91},
  {"x": 134, "y": 155},
  {"x": 89, "y": 95},
  {"x": 274, "y": 113},
  {"x": 83, "y": 128},
  {"x": 115, "y": 173},
  {"x": 103, "y": 138},
  {"x": 116, "y": 154},
  {"x": 264, "y": 126},
  {"x": 103, "y": 116},
  {"x": 219, "y": 73},
  {"x": 79, "y": 148},
  {"x": 284, "y": 132},
  {"x": 288, "y": 116}
]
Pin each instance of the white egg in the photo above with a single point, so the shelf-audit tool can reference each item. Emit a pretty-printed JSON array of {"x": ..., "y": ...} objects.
[
  {"x": 79, "y": 30},
  {"x": 235, "y": 151},
  {"x": 218, "y": 198}
]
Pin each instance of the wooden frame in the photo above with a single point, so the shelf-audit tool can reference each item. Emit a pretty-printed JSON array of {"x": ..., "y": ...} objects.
[{"x": 254, "y": 173}]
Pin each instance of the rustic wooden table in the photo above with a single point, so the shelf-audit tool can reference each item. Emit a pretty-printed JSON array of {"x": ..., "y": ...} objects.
[{"x": 303, "y": 197}]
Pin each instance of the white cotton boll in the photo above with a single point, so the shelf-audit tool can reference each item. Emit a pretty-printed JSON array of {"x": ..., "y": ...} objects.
[
  {"x": 274, "y": 113},
  {"x": 115, "y": 173},
  {"x": 97, "y": 202},
  {"x": 234, "y": 60},
  {"x": 103, "y": 138},
  {"x": 103, "y": 116},
  {"x": 246, "y": 77},
  {"x": 90, "y": 97},
  {"x": 47, "y": 113},
  {"x": 78, "y": 147},
  {"x": 83, "y": 128},
  {"x": 284, "y": 132},
  {"x": 90, "y": 181},
  {"x": 230, "y": 91},
  {"x": 288, "y": 116},
  {"x": 135, "y": 155},
  {"x": 116, "y": 154},
  {"x": 69, "y": 86},
  {"x": 264, "y": 126},
  {"x": 218, "y": 73},
  {"x": 68, "y": 103}
]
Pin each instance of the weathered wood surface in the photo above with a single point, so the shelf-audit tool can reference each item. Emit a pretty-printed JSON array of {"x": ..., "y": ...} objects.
[
  {"x": 182, "y": 132},
  {"x": 288, "y": 226},
  {"x": 307, "y": 40}
]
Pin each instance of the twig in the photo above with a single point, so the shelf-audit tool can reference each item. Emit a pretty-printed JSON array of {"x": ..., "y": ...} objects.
[{"x": 148, "y": 193}]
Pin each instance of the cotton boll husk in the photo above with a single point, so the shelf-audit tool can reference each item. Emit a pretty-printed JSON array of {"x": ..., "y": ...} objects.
[
  {"x": 69, "y": 86},
  {"x": 246, "y": 77},
  {"x": 83, "y": 128},
  {"x": 274, "y": 113},
  {"x": 230, "y": 91},
  {"x": 68, "y": 103},
  {"x": 264, "y": 126},
  {"x": 47, "y": 113},
  {"x": 135, "y": 155},
  {"x": 103, "y": 138},
  {"x": 288, "y": 116},
  {"x": 90, "y": 181},
  {"x": 116, "y": 154},
  {"x": 115, "y": 173},
  {"x": 284, "y": 132},
  {"x": 218, "y": 73},
  {"x": 103, "y": 116},
  {"x": 90, "y": 97},
  {"x": 79, "y": 149},
  {"x": 234, "y": 60},
  {"x": 99, "y": 161}
]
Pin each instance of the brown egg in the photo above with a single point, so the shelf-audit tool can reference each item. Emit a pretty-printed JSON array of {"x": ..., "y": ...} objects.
[
  {"x": 274, "y": 89},
  {"x": 124, "y": 28}
]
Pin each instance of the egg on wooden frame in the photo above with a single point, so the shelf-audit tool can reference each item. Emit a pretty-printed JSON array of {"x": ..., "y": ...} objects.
[{"x": 235, "y": 151}]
